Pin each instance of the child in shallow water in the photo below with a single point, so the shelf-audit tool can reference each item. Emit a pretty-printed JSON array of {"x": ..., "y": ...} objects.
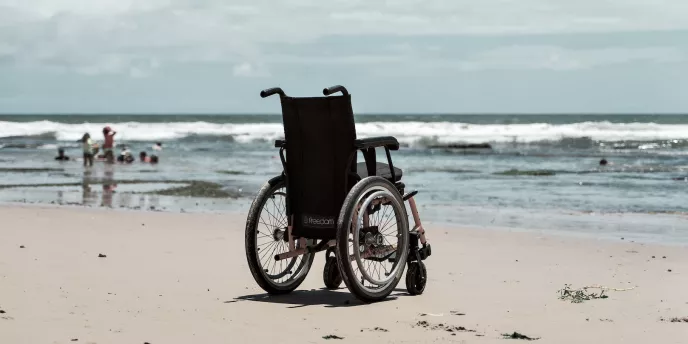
[
  {"x": 87, "y": 148},
  {"x": 143, "y": 156},
  {"x": 125, "y": 156},
  {"x": 61, "y": 156}
]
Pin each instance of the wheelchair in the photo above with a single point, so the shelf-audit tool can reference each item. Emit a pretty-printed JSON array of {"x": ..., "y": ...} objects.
[{"x": 324, "y": 200}]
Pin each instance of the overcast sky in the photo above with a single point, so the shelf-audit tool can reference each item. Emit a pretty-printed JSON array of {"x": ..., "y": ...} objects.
[{"x": 410, "y": 56}]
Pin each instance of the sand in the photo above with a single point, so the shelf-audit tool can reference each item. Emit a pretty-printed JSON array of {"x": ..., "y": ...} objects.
[{"x": 183, "y": 278}]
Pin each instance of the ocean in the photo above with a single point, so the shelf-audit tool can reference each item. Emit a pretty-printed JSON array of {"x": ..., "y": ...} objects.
[{"x": 540, "y": 172}]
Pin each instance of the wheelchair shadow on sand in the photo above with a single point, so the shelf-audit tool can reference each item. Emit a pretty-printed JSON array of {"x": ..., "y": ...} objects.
[{"x": 315, "y": 297}]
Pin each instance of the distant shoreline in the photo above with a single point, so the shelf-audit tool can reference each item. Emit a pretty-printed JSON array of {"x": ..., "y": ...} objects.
[{"x": 356, "y": 113}]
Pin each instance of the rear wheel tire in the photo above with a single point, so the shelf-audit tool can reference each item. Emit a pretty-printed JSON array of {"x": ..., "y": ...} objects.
[
  {"x": 267, "y": 221},
  {"x": 364, "y": 245}
]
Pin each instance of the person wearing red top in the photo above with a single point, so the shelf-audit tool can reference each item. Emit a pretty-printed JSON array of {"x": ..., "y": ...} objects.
[{"x": 109, "y": 144}]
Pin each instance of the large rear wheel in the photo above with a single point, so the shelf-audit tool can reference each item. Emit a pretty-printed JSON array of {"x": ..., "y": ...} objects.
[
  {"x": 372, "y": 239},
  {"x": 266, "y": 236}
]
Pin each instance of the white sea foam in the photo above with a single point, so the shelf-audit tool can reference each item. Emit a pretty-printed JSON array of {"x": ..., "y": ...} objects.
[
  {"x": 406, "y": 132},
  {"x": 50, "y": 146}
]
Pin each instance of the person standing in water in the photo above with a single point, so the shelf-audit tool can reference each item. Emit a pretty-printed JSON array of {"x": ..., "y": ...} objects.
[
  {"x": 87, "y": 147},
  {"x": 109, "y": 144}
]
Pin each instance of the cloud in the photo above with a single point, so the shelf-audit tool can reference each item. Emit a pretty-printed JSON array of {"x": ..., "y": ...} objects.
[
  {"x": 248, "y": 70},
  {"x": 7, "y": 50},
  {"x": 132, "y": 66},
  {"x": 113, "y": 36},
  {"x": 557, "y": 58}
]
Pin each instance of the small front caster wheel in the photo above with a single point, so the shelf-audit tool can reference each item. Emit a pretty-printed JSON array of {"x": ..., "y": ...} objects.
[
  {"x": 331, "y": 275},
  {"x": 416, "y": 277}
]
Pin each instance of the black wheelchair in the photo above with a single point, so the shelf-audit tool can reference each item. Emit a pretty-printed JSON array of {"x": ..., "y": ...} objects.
[{"x": 325, "y": 201}]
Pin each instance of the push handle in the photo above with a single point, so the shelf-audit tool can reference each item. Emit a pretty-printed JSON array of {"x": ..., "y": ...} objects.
[
  {"x": 335, "y": 89},
  {"x": 270, "y": 91}
]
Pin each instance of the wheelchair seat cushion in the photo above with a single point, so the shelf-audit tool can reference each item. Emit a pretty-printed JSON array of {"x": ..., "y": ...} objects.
[{"x": 382, "y": 170}]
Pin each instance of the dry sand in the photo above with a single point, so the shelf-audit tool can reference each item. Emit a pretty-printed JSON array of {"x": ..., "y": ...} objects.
[{"x": 183, "y": 278}]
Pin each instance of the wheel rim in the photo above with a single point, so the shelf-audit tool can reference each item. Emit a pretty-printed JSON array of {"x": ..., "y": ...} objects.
[
  {"x": 377, "y": 274},
  {"x": 271, "y": 229}
]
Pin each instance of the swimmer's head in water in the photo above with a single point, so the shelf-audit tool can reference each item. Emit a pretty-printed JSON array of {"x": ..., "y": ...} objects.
[{"x": 603, "y": 162}]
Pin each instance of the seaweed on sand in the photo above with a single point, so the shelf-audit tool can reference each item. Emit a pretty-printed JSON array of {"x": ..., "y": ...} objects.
[
  {"x": 442, "y": 327},
  {"x": 579, "y": 295},
  {"x": 332, "y": 336},
  {"x": 517, "y": 335},
  {"x": 582, "y": 294},
  {"x": 196, "y": 189}
]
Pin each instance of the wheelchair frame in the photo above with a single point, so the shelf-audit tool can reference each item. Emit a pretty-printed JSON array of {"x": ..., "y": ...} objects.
[{"x": 419, "y": 249}]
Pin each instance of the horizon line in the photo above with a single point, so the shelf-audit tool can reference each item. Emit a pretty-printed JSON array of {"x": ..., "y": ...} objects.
[{"x": 357, "y": 114}]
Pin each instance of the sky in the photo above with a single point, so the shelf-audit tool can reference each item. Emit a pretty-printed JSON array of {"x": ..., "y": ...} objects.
[{"x": 405, "y": 56}]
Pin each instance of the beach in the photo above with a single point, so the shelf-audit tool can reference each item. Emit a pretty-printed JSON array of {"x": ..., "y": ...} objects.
[
  {"x": 183, "y": 278},
  {"x": 542, "y": 144}
]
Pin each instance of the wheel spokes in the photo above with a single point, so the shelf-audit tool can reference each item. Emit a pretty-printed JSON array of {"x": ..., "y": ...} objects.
[
  {"x": 376, "y": 251},
  {"x": 270, "y": 235}
]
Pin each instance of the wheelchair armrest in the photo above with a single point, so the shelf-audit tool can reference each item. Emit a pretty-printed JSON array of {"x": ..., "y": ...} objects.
[
  {"x": 280, "y": 143},
  {"x": 372, "y": 142}
]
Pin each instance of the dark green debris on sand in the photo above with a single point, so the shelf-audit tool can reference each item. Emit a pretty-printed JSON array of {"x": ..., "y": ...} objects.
[
  {"x": 579, "y": 295},
  {"x": 515, "y": 172},
  {"x": 517, "y": 335},
  {"x": 196, "y": 189},
  {"x": 331, "y": 336}
]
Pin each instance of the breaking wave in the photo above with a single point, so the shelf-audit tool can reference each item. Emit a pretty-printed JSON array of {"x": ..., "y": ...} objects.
[{"x": 410, "y": 133}]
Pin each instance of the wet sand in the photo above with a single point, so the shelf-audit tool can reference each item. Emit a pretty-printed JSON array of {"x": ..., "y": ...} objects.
[{"x": 183, "y": 278}]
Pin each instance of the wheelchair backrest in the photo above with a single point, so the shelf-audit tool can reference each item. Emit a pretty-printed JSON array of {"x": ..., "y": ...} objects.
[{"x": 319, "y": 134}]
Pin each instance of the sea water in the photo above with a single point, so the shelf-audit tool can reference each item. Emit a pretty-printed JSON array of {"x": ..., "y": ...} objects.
[{"x": 542, "y": 172}]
